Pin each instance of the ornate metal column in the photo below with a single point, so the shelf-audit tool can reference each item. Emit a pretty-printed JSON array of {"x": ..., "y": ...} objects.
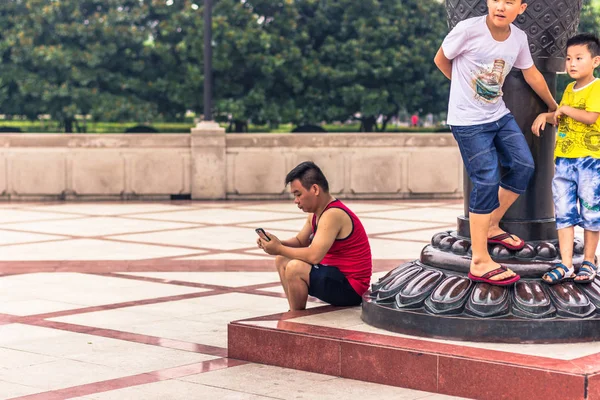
[{"x": 433, "y": 297}]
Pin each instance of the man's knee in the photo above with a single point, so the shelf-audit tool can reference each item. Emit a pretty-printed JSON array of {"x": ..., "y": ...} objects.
[
  {"x": 297, "y": 269},
  {"x": 281, "y": 262}
]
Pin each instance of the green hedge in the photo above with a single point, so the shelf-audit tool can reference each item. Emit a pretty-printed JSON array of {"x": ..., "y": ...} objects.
[{"x": 184, "y": 127}]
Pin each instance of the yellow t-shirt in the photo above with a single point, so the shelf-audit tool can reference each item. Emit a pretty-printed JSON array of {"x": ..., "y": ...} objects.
[{"x": 575, "y": 139}]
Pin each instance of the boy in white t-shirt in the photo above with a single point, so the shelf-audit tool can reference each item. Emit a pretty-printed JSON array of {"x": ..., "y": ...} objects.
[{"x": 477, "y": 55}]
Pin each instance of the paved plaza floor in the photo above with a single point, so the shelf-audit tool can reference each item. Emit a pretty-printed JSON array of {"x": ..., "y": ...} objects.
[{"x": 132, "y": 300}]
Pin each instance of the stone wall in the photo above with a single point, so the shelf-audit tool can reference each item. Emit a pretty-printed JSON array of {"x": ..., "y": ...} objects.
[
  {"x": 48, "y": 166},
  {"x": 367, "y": 165},
  {"x": 211, "y": 165}
]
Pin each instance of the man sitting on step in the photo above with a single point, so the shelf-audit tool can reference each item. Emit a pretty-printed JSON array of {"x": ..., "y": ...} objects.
[{"x": 330, "y": 258}]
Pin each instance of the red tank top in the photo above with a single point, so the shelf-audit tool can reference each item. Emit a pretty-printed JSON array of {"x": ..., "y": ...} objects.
[{"x": 351, "y": 255}]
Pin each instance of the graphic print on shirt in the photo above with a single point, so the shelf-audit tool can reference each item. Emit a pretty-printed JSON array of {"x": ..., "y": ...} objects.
[
  {"x": 488, "y": 82},
  {"x": 574, "y": 134}
]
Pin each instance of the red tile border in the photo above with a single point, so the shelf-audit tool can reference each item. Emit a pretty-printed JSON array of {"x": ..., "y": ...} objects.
[
  {"x": 161, "y": 280},
  {"x": 42, "y": 320},
  {"x": 133, "y": 337},
  {"x": 114, "y": 306},
  {"x": 157, "y": 265},
  {"x": 154, "y": 265},
  {"x": 134, "y": 380},
  {"x": 191, "y": 284},
  {"x": 8, "y": 319},
  {"x": 117, "y": 237},
  {"x": 250, "y": 289}
]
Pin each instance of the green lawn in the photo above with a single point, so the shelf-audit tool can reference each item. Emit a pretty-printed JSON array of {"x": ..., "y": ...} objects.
[
  {"x": 98, "y": 127},
  {"x": 178, "y": 127}
]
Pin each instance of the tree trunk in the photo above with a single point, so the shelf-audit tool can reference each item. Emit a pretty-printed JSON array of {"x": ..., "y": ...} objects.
[
  {"x": 241, "y": 126},
  {"x": 386, "y": 120},
  {"x": 68, "y": 125},
  {"x": 368, "y": 124}
]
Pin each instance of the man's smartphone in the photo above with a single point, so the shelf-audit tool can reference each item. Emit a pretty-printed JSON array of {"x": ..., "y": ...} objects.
[{"x": 261, "y": 232}]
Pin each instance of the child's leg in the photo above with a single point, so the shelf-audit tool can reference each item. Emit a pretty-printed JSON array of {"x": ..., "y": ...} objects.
[
  {"x": 506, "y": 199},
  {"x": 516, "y": 158},
  {"x": 481, "y": 262},
  {"x": 566, "y": 236},
  {"x": 565, "y": 269},
  {"x": 588, "y": 269},
  {"x": 479, "y": 155},
  {"x": 564, "y": 194},
  {"x": 589, "y": 200},
  {"x": 591, "y": 245}
]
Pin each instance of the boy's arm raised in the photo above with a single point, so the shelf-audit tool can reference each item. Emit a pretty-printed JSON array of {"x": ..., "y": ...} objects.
[
  {"x": 583, "y": 116},
  {"x": 443, "y": 63},
  {"x": 535, "y": 79}
]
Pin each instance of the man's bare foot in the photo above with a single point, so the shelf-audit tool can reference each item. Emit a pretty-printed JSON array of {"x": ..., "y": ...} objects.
[
  {"x": 512, "y": 240},
  {"x": 480, "y": 268}
]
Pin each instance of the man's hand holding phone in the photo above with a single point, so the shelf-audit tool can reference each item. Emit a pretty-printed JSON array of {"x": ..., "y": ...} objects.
[
  {"x": 262, "y": 234},
  {"x": 268, "y": 242}
]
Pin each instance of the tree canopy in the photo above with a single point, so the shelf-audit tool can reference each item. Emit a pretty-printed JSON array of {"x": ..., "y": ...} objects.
[{"x": 299, "y": 61}]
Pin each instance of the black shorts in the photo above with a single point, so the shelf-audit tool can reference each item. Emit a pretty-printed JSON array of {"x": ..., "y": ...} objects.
[{"x": 331, "y": 286}]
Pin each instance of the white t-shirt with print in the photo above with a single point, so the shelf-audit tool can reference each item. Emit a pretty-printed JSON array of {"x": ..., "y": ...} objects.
[{"x": 479, "y": 66}]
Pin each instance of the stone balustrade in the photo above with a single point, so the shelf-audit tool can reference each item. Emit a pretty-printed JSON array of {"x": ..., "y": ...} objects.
[{"x": 209, "y": 164}]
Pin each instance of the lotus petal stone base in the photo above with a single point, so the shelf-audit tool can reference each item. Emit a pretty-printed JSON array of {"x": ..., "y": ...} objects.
[{"x": 433, "y": 297}]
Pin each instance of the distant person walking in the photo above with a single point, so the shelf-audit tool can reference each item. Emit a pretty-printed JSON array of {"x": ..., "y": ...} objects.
[{"x": 414, "y": 120}]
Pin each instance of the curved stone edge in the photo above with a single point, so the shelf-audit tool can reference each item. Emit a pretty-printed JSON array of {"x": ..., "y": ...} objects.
[
  {"x": 450, "y": 252},
  {"x": 418, "y": 299}
]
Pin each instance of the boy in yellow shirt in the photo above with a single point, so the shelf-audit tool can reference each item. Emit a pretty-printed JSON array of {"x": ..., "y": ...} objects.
[{"x": 576, "y": 183}]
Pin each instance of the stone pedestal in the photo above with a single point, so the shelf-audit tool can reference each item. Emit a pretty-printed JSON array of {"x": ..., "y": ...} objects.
[{"x": 209, "y": 162}]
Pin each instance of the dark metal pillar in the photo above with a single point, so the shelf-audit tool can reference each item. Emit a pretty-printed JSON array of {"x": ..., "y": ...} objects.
[
  {"x": 548, "y": 24},
  {"x": 208, "y": 84}
]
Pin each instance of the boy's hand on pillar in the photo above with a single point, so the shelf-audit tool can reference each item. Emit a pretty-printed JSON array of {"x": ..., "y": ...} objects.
[{"x": 539, "y": 124}]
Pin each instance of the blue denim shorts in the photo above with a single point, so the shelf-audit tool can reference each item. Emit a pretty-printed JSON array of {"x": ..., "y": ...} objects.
[
  {"x": 485, "y": 149},
  {"x": 576, "y": 193}
]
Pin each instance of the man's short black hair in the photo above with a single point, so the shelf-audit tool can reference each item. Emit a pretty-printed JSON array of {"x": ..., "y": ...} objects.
[
  {"x": 589, "y": 40},
  {"x": 308, "y": 174}
]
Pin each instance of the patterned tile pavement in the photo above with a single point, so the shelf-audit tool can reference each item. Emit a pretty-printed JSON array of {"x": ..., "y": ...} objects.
[{"x": 132, "y": 300}]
